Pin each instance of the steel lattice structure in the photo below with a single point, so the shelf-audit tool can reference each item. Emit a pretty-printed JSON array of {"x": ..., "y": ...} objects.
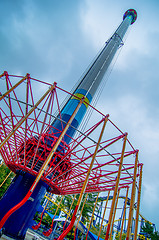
[
  {"x": 41, "y": 143},
  {"x": 27, "y": 148}
]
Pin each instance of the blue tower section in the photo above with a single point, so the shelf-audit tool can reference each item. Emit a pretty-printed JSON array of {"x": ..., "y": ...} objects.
[{"x": 18, "y": 223}]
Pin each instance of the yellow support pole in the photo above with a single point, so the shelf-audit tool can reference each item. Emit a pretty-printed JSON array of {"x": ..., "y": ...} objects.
[
  {"x": 1, "y": 164},
  {"x": 91, "y": 165},
  {"x": 58, "y": 207},
  {"x": 5, "y": 179},
  {"x": 92, "y": 215},
  {"x": 122, "y": 225},
  {"x": 132, "y": 199},
  {"x": 26, "y": 116},
  {"x": 47, "y": 200},
  {"x": 103, "y": 216},
  {"x": 81, "y": 213},
  {"x": 12, "y": 88},
  {"x": 44, "y": 166},
  {"x": 116, "y": 188},
  {"x": 112, "y": 225},
  {"x": 85, "y": 183},
  {"x": 138, "y": 204},
  {"x": 68, "y": 214},
  {"x": 63, "y": 210}
]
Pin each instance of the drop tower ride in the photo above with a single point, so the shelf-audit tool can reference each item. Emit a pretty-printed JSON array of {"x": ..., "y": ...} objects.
[{"x": 38, "y": 148}]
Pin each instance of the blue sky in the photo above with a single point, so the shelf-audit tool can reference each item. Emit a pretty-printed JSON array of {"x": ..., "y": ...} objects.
[{"x": 56, "y": 41}]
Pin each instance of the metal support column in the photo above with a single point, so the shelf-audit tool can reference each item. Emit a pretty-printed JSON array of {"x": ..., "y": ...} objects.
[
  {"x": 124, "y": 213},
  {"x": 138, "y": 204},
  {"x": 84, "y": 184},
  {"x": 116, "y": 189},
  {"x": 132, "y": 199}
]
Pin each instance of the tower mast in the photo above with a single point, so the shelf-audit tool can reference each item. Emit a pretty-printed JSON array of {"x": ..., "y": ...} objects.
[
  {"x": 20, "y": 220},
  {"x": 93, "y": 77}
]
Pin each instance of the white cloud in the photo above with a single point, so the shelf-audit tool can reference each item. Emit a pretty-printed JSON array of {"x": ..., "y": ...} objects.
[
  {"x": 97, "y": 22},
  {"x": 131, "y": 114}
]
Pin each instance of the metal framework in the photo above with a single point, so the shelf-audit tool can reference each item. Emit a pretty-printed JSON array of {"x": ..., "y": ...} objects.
[
  {"x": 100, "y": 226},
  {"x": 26, "y": 149},
  {"x": 41, "y": 143},
  {"x": 25, "y": 119}
]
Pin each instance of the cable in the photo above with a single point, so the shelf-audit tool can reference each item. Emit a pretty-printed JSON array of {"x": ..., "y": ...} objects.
[{"x": 17, "y": 100}]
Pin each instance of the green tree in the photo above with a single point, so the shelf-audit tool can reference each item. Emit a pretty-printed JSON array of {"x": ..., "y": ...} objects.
[
  {"x": 117, "y": 236},
  {"x": 148, "y": 231},
  {"x": 88, "y": 207},
  {"x": 96, "y": 229},
  {"x": 46, "y": 220},
  {"x": 155, "y": 236},
  {"x": 4, "y": 171}
]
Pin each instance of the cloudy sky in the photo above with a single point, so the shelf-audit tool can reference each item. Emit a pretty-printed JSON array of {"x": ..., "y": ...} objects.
[{"x": 56, "y": 40}]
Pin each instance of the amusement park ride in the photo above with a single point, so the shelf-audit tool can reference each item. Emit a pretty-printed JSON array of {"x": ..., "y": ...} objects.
[{"x": 42, "y": 145}]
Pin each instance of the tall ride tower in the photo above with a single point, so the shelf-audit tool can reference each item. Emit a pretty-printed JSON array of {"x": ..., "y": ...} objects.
[{"x": 32, "y": 153}]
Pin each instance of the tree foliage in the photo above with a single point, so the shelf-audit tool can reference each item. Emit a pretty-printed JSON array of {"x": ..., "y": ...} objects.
[
  {"x": 4, "y": 171},
  {"x": 148, "y": 231},
  {"x": 66, "y": 205},
  {"x": 117, "y": 236},
  {"x": 96, "y": 229},
  {"x": 88, "y": 207}
]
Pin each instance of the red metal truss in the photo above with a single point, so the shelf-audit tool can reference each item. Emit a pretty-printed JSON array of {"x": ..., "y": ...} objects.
[{"x": 26, "y": 149}]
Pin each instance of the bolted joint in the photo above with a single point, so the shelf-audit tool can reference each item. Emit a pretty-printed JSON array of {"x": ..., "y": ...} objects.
[
  {"x": 5, "y": 73},
  {"x": 28, "y": 76}
]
